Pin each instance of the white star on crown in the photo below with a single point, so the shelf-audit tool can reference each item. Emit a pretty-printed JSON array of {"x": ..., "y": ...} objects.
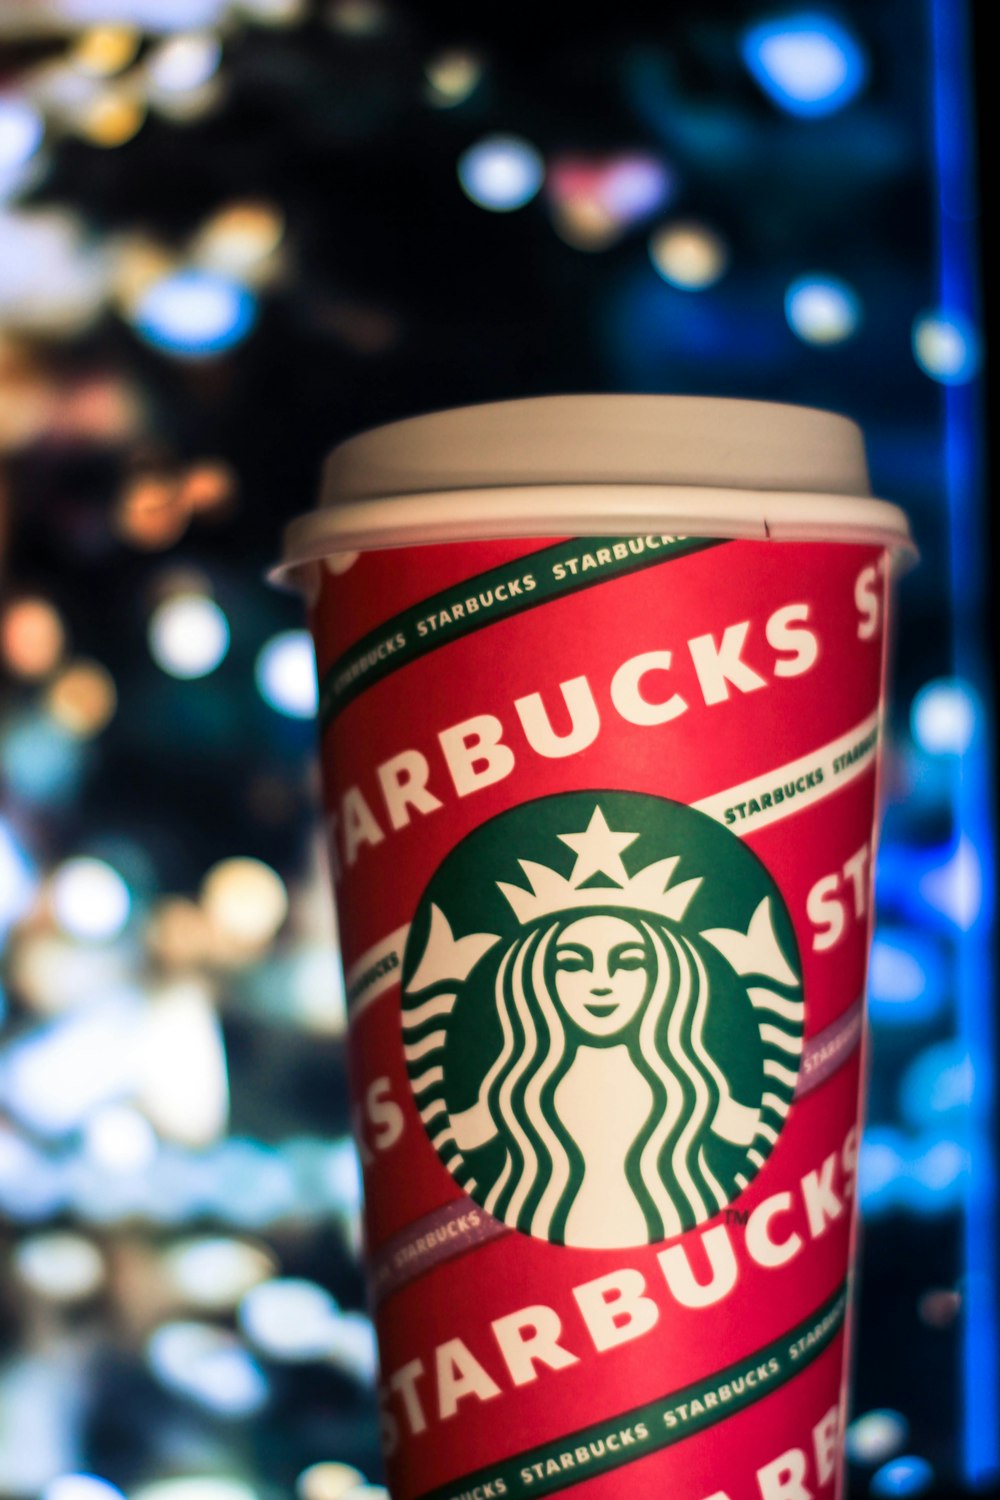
[{"x": 598, "y": 850}]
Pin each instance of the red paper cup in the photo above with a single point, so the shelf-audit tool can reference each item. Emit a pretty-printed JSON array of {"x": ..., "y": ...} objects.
[{"x": 601, "y": 697}]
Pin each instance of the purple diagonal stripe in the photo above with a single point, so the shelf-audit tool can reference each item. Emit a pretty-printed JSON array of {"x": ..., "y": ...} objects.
[
  {"x": 460, "y": 1226},
  {"x": 825, "y": 1053},
  {"x": 447, "y": 1232}
]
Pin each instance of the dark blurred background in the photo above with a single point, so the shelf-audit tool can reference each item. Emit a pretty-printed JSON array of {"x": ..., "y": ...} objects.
[{"x": 233, "y": 232}]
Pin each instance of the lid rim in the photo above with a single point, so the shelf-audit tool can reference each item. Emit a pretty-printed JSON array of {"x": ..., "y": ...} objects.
[{"x": 623, "y": 510}]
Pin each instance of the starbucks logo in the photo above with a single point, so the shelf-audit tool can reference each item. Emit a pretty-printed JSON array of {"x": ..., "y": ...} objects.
[{"x": 602, "y": 1017}]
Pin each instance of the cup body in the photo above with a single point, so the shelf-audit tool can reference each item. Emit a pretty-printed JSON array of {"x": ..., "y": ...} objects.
[{"x": 601, "y": 814}]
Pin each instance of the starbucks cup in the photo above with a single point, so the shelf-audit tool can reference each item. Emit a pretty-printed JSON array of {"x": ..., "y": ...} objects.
[{"x": 601, "y": 693}]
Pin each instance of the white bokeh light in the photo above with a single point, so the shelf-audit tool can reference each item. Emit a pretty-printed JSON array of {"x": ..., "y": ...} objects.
[
  {"x": 943, "y": 717},
  {"x": 822, "y": 309},
  {"x": 21, "y": 132},
  {"x": 286, "y": 674},
  {"x": 197, "y": 1487},
  {"x": 876, "y": 1436},
  {"x": 183, "y": 1077},
  {"x": 274, "y": 12},
  {"x": 53, "y": 278},
  {"x": 328, "y": 1481},
  {"x": 60, "y": 1266},
  {"x": 946, "y": 347},
  {"x": 188, "y": 635},
  {"x": 501, "y": 172},
  {"x": 120, "y": 1139},
  {"x": 90, "y": 900},
  {"x": 245, "y": 900},
  {"x": 290, "y": 1319},
  {"x": 452, "y": 76},
  {"x": 353, "y": 1346},
  {"x": 56, "y": 1075},
  {"x": 214, "y": 1272},
  {"x": 80, "y": 1487},
  {"x": 209, "y": 1366},
  {"x": 184, "y": 62},
  {"x": 688, "y": 255}
]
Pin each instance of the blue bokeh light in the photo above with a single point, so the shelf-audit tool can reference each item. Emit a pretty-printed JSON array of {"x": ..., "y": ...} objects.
[
  {"x": 937, "y": 1175},
  {"x": 807, "y": 64},
  {"x": 881, "y": 1165},
  {"x": 922, "y": 1174},
  {"x": 42, "y": 762},
  {"x": 902, "y": 1477},
  {"x": 252, "y": 1184},
  {"x": 907, "y": 978},
  {"x": 937, "y": 1083},
  {"x": 955, "y": 887},
  {"x": 32, "y": 1185},
  {"x": 17, "y": 878},
  {"x": 81, "y": 1487},
  {"x": 195, "y": 313}
]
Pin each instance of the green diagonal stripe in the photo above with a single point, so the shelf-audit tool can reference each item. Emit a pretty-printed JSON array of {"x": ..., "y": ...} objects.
[
  {"x": 477, "y": 602},
  {"x": 668, "y": 1420}
]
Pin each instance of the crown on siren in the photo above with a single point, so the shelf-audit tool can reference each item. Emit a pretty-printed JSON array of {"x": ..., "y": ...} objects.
[{"x": 598, "y": 850}]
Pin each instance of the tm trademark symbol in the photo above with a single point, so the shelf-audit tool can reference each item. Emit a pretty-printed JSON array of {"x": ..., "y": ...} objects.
[{"x": 737, "y": 1215}]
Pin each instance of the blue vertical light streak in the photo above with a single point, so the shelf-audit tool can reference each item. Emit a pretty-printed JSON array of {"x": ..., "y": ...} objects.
[{"x": 975, "y": 987}]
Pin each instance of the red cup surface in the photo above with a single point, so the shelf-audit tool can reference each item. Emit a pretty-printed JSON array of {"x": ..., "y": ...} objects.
[{"x": 601, "y": 819}]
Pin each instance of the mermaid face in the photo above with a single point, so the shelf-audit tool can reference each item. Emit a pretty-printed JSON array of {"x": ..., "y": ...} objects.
[{"x": 602, "y": 973}]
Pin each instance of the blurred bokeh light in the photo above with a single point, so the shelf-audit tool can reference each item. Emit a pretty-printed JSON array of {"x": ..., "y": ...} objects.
[
  {"x": 946, "y": 347},
  {"x": 194, "y": 313},
  {"x": 822, "y": 309},
  {"x": 501, "y": 172},
  {"x": 807, "y": 62},
  {"x": 286, "y": 674},
  {"x": 688, "y": 255},
  {"x": 188, "y": 635},
  {"x": 90, "y": 900},
  {"x": 32, "y": 637}
]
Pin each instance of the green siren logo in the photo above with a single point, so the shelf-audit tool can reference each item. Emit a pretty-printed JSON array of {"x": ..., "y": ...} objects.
[{"x": 603, "y": 1051}]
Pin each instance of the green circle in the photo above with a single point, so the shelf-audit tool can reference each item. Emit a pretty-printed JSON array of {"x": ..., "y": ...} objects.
[{"x": 733, "y": 1045}]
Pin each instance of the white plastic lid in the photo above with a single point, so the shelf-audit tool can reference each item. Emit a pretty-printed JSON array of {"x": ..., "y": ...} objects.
[{"x": 599, "y": 466}]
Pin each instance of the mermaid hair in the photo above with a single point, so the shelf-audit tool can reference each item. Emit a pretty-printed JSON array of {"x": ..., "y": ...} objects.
[{"x": 543, "y": 1166}]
